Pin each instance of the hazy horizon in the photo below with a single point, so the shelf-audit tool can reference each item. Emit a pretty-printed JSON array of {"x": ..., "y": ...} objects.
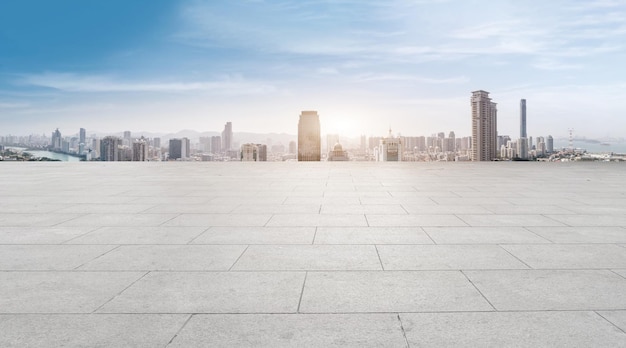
[{"x": 365, "y": 66}]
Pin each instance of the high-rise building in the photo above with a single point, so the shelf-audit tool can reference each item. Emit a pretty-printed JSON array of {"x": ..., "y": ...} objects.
[
  {"x": 253, "y": 153},
  {"x": 176, "y": 149},
  {"x": 390, "y": 149},
  {"x": 227, "y": 137},
  {"x": 140, "y": 150},
  {"x": 292, "y": 147},
  {"x": 309, "y": 141},
  {"x": 109, "y": 148},
  {"x": 82, "y": 135},
  {"x": 522, "y": 119},
  {"x": 522, "y": 148},
  {"x": 550, "y": 144},
  {"x": 484, "y": 127},
  {"x": 216, "y": 144},
  {"x": 56, "y": 140}
]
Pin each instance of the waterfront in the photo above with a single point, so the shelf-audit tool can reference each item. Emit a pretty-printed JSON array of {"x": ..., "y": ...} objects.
[{"x": 52, "y": 155}]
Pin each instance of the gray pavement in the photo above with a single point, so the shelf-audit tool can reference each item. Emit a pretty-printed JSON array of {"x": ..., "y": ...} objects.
[{"x": 313, "y": 254}]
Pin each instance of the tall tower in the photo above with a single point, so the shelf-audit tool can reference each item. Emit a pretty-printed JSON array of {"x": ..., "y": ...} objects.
[
  {"x": 109, "y": 149},
  {"x": 484, "y": 127},
  {"x": 522, "y": 119},
  {"x": 227, "y": 137},
  {"x": 309, "y": 141}
]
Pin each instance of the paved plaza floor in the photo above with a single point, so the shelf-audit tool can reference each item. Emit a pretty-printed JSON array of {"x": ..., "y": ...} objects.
[{"x": 312, "y": 254}]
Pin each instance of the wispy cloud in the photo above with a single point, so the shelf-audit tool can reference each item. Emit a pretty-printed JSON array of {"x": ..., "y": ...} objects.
[{"x": 70, "y": 82}]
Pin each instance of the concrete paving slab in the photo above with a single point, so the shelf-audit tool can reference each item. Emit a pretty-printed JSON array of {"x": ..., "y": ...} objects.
[
  {"x": 119, "y": 220},
  {"x": 288, "y": 220},
  {"x": 361, "y": 209},
  {"x": 551, "y": 289},
  {"x": 191, "y": 209},
  {"x": 570, "y": 256},
  {"x": 530, "y": 329},
  {"x": 414, "y": 220},
  {"x": 591, "y": 220},
  {"x": 208, "y": 220},
  {"x": 512, "y": 220},
  {"x": 41, "y": 235},
  {"x": 291, "y": 330},
  {"x": 257, "y": 235},
  {"x": 211, "y": 292},
  {"x": 308, "y": 258},
  {"x": 139, "y": 235},
  {"x": 617, "y": 318},
  {"x": 421, "y": 209},
  {"x": 89, "y": 208},
  {"x": 369, "y": 292},
  {"x": 446, "y": 257},
  {"x": 34, "y": 219},
  {"x": 371, "y": 235},
  {"x": 527, "y": 209},
  {"x": 592, "y": 234},
  {"x": 60, "y": 292},
  {"x": 167, "y": 258},
  {"x": 88, "y": 330},
  {"x": 48, "y": 257},
  {"x": 277, "y": 209},
  {"x": 483, "y": 235}
]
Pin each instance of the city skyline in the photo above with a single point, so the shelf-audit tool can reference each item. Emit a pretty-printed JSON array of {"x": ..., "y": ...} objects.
[{"x": 363, "y": 65}]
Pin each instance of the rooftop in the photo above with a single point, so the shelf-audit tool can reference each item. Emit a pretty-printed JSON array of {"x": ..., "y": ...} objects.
[{"x": 312, "y": 254}]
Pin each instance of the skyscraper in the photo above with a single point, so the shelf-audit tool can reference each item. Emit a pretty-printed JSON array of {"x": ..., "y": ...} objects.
[
  {"x": 309, "y": 141},
  {"x": 484, "y": 127},
  {"x": 550, "y": 144},
  {"x": 227, "y": 137},
  {"x": 109, "y": 149},
  {"x": 522, "y": 119},
  {"x": 56, "y": 140},
  {"x": 82, "y": 135}
]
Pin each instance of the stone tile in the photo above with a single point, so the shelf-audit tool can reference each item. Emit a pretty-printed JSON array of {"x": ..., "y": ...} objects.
[
  {"x": 168, "y": 258},
  {"x": 304, "y": 220},
  {"x": 122, "y": 208},
  {"x": 551, "y": 289},
  {"x": 482, "y": 235},
  {"x": 421, "y": 209},
  {"x": 470, "y": 201},
  {"x": 531, "y": 329},
  {"x": 34, "y": 219},
  {"x": 208, "y": 220},
  {"x": 617, "y": 318},
  {"x": 414, "y": 220},
  {"x": 32, "y": 207},
  {"x": 60, "y": 292},
  {"x": 591, "y": 220},
  {"x": 156, "y": 199},
  {"x": 140, "y": 235},
  {"x": 40, "y": 235},
  {"x": 211, "y": 292},
  {"x": 277, "y": 209},
  {"x": 570, "y": 256},
  {"x": 418, "y": 291},
  {"x": 446, "y": 257},
  {"x": 89, "y": 330},
  {"x": 560, "y": 201},
  {"x": 120, "y": 220},
  {"x": 48, "y": 257},
  {"x": 582, "y": 234},
  {"x": 361, "y": 209},
  {"x": 291, "y": 330},
  {"x": 527, "y": 209},
  {"x": 598, "y": 209},
  {"x": 308, "y": 258},
  {"x": 321, "y": 200},
  {"x": 191, "y": 209},
  {"x": 257, "y": 235},
  {"x": 371, "y": 235},
  {"x": 511, "y": 220}
]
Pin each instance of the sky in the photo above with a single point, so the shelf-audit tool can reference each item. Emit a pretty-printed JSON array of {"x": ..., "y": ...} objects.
[{"x": 365, "y": 66}]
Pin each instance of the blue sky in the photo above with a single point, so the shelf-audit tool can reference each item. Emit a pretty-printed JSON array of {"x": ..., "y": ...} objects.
[{"x": 365, "y": 65}]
